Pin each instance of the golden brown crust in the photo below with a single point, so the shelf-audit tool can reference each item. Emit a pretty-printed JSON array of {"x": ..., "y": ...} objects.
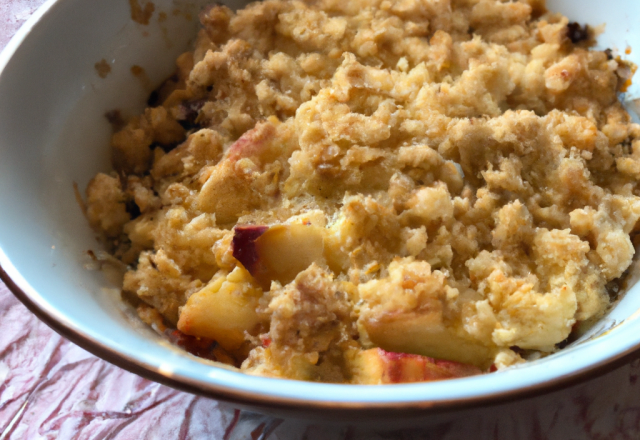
[{"x": 470, "y": 171}]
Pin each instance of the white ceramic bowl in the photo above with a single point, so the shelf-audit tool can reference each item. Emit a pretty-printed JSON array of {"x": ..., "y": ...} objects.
[{"x": 53, "y": 133}]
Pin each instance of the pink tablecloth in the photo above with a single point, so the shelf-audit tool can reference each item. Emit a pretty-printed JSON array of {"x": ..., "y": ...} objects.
[{"x": 52, "y": 389}]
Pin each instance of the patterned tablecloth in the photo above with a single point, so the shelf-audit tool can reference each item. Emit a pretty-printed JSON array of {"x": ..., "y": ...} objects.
[{"x": 52, "y": 389}]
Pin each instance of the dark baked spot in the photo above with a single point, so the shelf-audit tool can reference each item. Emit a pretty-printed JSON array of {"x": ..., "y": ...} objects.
[
  {"x": 133, "y": 209},
  {"x": 619, "y": 285},
  {"x": 154, "y": 99},
  {"x": 517, "y": 349},
  {"x": 131, "y": 297},
  {"x": 157, "y": 97},
  {"x": 188, "y": 113},
  {"x": 577, "y": 33},
  {"x": 201, "y": 347},
  {"x": 609, "y": 54},
  {"x": 115, "y": 119}
]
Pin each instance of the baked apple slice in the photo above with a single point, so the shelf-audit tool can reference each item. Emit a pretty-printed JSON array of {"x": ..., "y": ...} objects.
[
  {"x": 278, "y": 253},
  {"x": 223, "y": 310},
  {"x": 226, "y": 187},
  {"x": 425, "y": 333},
  {"x": 377, "y": 366},
  {"x": 409, "y": 311}
]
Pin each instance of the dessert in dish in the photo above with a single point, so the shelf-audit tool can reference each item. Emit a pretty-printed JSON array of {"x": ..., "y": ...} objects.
[{"x": 376, "y": 191}]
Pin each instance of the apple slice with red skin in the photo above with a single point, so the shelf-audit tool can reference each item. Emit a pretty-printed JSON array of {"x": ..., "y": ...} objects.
[
  {"x": 277, "y": 253},
  {"x": 377, "y": 366},
  {"x": 226, "y": 190},
  {"x": 425, "y": 333},
  {"x": 252, "y": 143},
  {"x": 244, "y": 245}
]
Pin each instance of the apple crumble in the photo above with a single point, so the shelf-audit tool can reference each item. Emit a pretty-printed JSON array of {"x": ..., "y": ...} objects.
[{"x": 376, "y": 191}]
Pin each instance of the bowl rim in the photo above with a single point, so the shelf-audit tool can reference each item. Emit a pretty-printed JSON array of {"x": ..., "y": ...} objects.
[{"x": 340, "y": 409}]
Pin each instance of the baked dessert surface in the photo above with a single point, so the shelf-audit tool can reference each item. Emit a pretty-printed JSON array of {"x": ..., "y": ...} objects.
[{"x": 373, "y": 191}]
